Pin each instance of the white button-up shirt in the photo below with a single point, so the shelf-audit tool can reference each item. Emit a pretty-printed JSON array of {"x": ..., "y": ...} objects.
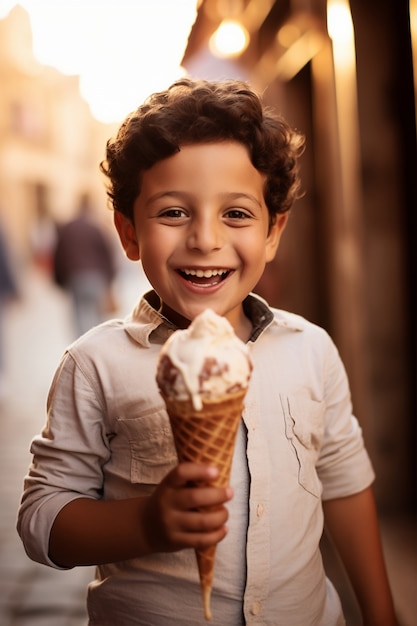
[{"x": 108, "y": 436}]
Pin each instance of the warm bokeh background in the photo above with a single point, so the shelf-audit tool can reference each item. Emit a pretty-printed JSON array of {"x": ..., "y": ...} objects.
[{"x": 342, "y": 73}]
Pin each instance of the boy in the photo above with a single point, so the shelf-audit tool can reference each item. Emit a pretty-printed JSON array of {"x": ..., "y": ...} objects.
[{"x": 201, "y": 182}]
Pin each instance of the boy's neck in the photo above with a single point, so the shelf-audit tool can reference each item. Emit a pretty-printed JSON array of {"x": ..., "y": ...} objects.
[
  {"x": 173, "y": 317},
  {"x": 243, "y": 329}
]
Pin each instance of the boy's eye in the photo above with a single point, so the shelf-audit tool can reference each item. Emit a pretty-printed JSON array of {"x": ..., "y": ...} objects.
[
  {"x": 173, "y": 212},
  {"x": 237, "y": 214}
]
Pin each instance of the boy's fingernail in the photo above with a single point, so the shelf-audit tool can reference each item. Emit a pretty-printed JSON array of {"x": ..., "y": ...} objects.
[
  {"x": 213, "y": 471},
  {"x": 229, "y": 492}
]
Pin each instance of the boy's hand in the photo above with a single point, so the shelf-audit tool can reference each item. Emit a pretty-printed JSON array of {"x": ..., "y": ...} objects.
[{"x": 180, "y": 515}]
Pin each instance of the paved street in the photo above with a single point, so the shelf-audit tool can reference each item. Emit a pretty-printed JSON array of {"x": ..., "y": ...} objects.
[{"x": 37, "y": 330}]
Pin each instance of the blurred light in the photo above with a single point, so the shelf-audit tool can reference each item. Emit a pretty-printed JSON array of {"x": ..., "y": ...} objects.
[
  {"x": 340, "y": 28},
  {"x": 5, "y": 7},
  {"x": 121, "y": 50},
  {"x": 288, "y": 34},
  {"x": 339, "y": 21},
  {"x": 229, "y": 40},
  {"x": 413, "y": 16},
  {"x": 299, "y": 54},
  {"x": 413, "y": 29}
]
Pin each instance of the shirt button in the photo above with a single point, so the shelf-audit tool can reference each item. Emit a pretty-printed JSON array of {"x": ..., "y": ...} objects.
[
  {"x": 256, "y": 608},
  {"x": 260, "y": 510}
]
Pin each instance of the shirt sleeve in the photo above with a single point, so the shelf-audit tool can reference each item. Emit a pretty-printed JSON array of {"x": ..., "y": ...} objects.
[
  {"x": 344, "y": 466},
  {"x": 68, "y": 457}
]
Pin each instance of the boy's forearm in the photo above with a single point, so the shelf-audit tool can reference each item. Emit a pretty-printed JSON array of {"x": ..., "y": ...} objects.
[
  {"x": 353, "y": 525},
  {"x": 175, "y": 516},
  {"x": 92, "y": 532}
]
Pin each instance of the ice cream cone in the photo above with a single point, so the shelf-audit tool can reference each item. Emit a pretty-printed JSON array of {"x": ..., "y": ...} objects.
[
  {"x": 203, "y": 374},
  {"x": 207, "y": 436}
]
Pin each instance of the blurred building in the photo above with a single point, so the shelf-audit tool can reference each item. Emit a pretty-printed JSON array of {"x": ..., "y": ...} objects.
[
  {"x": 50, "y": 145},
  {"x": 342, "y": 74}
]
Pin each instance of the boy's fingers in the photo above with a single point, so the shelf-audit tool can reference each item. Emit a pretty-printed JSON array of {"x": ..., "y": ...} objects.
[
  {"x": 200, "y": 528},
  {"x": 202, "y": 540},
  {"x": 191, "y": 487},
  {"x": 186, "y": 473},
  {"x": 202, "y": 497},
  {"x": 205, "y": 521}
]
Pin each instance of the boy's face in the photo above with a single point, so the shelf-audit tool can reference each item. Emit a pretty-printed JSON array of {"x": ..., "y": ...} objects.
[{"x": 202, "y": 231}]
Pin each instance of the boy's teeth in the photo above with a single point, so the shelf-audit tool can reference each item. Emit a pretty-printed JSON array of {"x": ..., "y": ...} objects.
[{"x": 204, "y": 273}]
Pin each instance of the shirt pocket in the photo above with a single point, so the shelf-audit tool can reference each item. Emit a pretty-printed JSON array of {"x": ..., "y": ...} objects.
[
  {"x": 151, "y": 445},
  {"x": 304, "y": 428}
]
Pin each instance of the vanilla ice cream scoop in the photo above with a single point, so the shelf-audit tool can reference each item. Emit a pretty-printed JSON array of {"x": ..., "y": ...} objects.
[{"x": 203, "y": 362}]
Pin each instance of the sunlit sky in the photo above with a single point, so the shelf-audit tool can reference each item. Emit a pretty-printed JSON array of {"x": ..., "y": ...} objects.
[{"x": 122, "y": 50}]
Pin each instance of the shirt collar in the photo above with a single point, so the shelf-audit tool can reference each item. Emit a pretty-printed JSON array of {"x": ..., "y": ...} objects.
[
  {"x": 262, "y": 316},
  {"x": 147, "y": 325}
]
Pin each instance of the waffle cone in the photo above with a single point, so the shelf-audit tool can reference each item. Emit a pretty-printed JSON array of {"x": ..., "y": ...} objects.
[{"x": 207, "y": 436}]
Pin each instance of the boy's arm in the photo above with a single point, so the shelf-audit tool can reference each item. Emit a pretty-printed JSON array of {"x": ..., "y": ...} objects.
[
  {"x": 353, "y": 525},
  {"x": 91, "y": 532}
]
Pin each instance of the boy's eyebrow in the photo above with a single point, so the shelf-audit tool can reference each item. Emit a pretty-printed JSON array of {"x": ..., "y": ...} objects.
[
  {"x": 235, "y": 195},
  {"x": 163, "y": 194},
  {"x": 232, "y": 195}
]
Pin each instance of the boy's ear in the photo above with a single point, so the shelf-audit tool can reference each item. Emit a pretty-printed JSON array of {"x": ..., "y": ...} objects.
[
  {"x": 274, "y": 236},
  {"x": 127, "y": 235}
]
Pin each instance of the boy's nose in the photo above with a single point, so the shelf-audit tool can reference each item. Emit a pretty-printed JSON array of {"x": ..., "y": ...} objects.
[{"x": 205, "y": 235}]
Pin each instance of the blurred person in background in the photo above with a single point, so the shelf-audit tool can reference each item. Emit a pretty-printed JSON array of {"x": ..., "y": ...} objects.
[
  {"x": 8, "y": 290},
  {"x": 84, "y": 265},
  {"x": 43, "y": 236}
]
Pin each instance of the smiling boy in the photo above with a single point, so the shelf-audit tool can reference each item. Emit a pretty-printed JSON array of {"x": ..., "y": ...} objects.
[
  {"x": 202, "y": 178},
  {"x": 202, "y": 231}
]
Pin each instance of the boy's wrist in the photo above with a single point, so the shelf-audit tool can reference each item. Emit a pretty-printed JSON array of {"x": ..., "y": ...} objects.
[{"x": 145, "y": 535}]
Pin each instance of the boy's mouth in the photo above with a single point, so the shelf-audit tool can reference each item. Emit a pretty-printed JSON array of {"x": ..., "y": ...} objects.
[{"x": 208, "y": 277}]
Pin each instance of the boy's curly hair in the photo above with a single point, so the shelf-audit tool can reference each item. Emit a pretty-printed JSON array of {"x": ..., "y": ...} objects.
[{"x": 200, "y": 111}]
